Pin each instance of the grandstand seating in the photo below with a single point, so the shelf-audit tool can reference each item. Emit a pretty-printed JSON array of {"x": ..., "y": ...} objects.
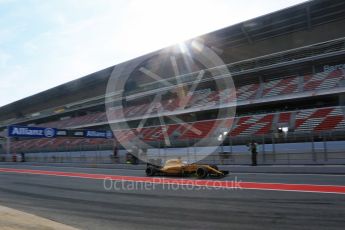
[
  {"x": 205, "y": 98},
  {"x": 311, "y": 120},
  {"x": 247, "y": 92},
  {"x": 323, "y": 80},
  {"x": 284, "y": 117},
  {"x": 282, "y": 86},
  {"x": 323, "y": 119},
  {"x": 75, "y": 121},
  {"x": 320, "y": 120},
  {"x": 287, "y": 85}
]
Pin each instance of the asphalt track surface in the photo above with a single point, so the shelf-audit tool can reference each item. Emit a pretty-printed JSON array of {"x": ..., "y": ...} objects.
[{"x": 95, "y": 203}]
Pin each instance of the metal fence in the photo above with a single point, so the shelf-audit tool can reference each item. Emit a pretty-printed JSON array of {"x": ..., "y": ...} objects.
[{"x": 276, "y": 148}]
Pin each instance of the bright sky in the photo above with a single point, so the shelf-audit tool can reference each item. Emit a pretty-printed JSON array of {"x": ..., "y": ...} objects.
[{"x": 44, "y": 43}]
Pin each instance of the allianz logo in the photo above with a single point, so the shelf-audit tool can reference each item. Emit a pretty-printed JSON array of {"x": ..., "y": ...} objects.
[
  {"x": 95, "y": 134},
  {"x": 47, "y": 132}
]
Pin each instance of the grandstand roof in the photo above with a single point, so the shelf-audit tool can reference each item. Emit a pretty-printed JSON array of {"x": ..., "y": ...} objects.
[
  {"x": 289, "y": 28},
  {"x": 292, "y": 19}
]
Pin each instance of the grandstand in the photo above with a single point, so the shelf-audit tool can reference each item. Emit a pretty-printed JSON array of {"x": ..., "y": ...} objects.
[{"x": 288, "y": 68}]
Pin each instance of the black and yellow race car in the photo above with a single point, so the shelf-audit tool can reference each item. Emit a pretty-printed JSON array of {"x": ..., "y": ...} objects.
[{"x": 175, "y": 167}]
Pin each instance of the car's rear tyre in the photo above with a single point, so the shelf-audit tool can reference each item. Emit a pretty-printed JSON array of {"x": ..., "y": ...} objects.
[
  {"x": 201, "y": 172},
  {"x": 150, "y": 171}
]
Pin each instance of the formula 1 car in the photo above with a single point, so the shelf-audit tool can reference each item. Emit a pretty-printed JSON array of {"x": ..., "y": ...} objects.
[{"x": 175, "y": 167}]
